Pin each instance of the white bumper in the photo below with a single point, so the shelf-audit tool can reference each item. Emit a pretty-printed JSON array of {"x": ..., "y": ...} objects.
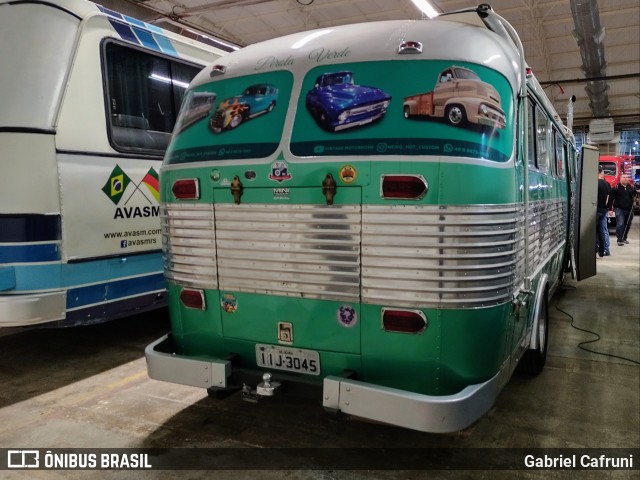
[
  {"x": 436, "y": 414},
  {"x": 31, "y": 309}
]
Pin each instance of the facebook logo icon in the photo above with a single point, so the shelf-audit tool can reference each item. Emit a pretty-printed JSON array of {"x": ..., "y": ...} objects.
[{"x": 123, "y": 244}]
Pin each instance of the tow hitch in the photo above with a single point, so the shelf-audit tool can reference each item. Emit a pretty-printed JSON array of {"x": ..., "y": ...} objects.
[{"x": 265, "y": 389}]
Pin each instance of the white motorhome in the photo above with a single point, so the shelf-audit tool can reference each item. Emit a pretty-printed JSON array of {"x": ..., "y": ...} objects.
[{"x": 89, "y": 100}]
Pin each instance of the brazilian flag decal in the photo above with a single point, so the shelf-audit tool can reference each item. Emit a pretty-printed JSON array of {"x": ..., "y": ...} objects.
[{"x": 116, "y": 185}]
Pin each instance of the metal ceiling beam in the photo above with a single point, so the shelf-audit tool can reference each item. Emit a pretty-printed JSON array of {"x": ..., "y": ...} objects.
[
  {"x": 591, "y": 79},
  {"x": 589, "y": 34}
]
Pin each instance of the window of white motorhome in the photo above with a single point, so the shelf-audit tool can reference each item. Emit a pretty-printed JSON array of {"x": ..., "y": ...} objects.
[
  {"x": 143, "y": 96},
  {"x": 37, "y": 42},
  {"x": 232, "y": 118}
]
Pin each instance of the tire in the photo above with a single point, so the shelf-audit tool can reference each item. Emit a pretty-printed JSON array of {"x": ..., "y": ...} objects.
[
  {"x": 213, "y": 127},
  {"x": 533, "y": 360},
  {"x": 325, "y": 123},
  {"x": 236, "y": 120},
  {"x": 407, "y": 112},
  {"x": 455, "y": 115}
]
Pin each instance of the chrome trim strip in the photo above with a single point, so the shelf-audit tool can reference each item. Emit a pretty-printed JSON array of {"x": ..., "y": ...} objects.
[
  {"x": 427, "y": 256},
  {"x": 425, "y": 413},
  {"x": 189, "y": 244},
  {"x": 411, "y": 256},
  {"x": 309, "y": 251}
]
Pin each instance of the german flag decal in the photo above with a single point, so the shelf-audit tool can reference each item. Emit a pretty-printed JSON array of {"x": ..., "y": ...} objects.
[{"x": 151, "y": 181}]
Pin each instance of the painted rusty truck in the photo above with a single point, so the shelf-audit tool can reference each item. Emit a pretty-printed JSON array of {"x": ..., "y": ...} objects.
[{"x": 460, "y": 97}]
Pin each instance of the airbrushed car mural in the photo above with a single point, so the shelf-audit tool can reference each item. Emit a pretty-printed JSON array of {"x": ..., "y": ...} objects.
[
  {"x": 336, "y": 103},
  {"x": 461, "y": 97},
  {"x": 254, "y": 101},
  {"x": 196, "y": 106}
]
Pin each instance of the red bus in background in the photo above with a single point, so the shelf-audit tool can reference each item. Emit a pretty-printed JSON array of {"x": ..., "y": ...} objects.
[{"x": 614, "y": 166}]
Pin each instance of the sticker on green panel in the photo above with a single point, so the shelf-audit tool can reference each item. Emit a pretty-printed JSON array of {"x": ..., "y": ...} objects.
[
  {"x": 234, "y": 118},
  {"x": 427, "y": 107}
]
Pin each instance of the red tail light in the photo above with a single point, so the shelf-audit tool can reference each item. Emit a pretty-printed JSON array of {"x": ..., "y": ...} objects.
[
  {"x": 187, "y": 189},
  {"x": 192, "y": 298},
  {"x": 408, "y": 187},
  {"x": 403, "y": 321}
]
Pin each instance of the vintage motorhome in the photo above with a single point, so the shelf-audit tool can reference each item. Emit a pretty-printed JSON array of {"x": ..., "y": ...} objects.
[
  {"x": 402, "y": 273},
  {"x": 89, "y": 100}
]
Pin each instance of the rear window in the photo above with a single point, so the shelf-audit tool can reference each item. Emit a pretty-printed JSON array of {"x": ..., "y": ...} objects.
[
  {"x": 402, "y": 108},
  {"x": 232, "y": 118}
]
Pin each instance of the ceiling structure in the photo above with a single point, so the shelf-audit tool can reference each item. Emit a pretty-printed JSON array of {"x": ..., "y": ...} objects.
[{"x": 569, "y": 44}]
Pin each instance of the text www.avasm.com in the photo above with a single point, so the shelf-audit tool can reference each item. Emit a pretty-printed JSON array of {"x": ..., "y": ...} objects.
[{"x": 127, "y": 238}]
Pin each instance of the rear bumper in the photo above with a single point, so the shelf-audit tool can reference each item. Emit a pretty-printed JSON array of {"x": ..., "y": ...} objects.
[
  {"x": 21, "y": 310},
  {"x": 436, "y": 414}
]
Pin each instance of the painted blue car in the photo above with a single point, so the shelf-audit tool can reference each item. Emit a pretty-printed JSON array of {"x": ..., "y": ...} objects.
[
  {"x": 255, "y": 100},
  {"x": 337, "y": 104}
]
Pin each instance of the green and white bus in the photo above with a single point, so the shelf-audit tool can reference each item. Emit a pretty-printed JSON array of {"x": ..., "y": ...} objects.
[{"x": 397, "y": 266}]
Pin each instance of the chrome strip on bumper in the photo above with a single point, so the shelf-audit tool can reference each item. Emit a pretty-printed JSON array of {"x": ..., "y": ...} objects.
[
  {"x": 425, "y": 413},
  {"x": 435, "y": 414},
  {"x": 32, "y": 309},
  {"x": 163, "y": 364}
]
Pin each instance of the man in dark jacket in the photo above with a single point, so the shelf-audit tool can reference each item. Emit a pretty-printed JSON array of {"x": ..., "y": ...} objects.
[
  {"x": 621, "y": 198},
  {"x": 602, "y": 231}
]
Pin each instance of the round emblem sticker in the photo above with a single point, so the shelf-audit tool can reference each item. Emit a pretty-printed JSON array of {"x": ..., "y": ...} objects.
[
  {"x": 347, "y": 316},
  {"x": 348, "y": 174}
]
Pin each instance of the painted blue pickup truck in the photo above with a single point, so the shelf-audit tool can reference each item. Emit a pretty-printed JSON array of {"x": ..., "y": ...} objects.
[
  {"x": 254, "y": 101},
  {"x": 336, "y": 103}
]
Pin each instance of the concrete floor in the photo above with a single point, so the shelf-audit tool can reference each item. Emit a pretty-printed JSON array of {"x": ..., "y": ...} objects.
[{"x": 88, "y": 387}]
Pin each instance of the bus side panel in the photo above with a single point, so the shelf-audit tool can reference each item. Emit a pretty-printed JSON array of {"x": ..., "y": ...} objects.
[{"x": 108, "y": 208}]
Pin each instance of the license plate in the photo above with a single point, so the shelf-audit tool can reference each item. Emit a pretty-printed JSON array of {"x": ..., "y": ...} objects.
[{"x": 288, "y": 358}]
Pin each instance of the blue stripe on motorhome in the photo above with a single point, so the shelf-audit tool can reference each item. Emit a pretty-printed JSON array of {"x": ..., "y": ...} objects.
[
  {"x": 153, "y": 28},
  {"x": 28, "y": 253},
  {"x": 92, "y": 294},
  {"x": 124, "y": 31},
  {"x": 7, "y": 278},
  {"x": 136, "y": 22},
  {"x": 38, "y": 277},
  {"x": 165, "y": 44},
  {"x": 112, "y": 310},
  {"x": 57, "y": 276},
  {"x": 111, "y": 13},
  {"x": 146, "y": 38}
]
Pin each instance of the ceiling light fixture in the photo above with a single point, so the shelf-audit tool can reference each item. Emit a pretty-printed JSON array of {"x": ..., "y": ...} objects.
[{"x": 425, "y": 7}]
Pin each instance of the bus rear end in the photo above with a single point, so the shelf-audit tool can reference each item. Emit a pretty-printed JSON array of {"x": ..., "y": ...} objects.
[{"x": 323, "y": 239}]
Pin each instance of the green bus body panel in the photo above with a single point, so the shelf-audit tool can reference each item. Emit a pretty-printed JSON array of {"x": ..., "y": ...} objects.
[
  {"x": 448, "y": 183},
  {"x": 315, "y": 324},
  {"x": 458, "y": 348}
]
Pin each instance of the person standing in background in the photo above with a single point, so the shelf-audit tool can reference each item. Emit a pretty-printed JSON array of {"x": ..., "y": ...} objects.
[
  {"x": 602, "y": 231},
  {"x": 621, "y": 199}
]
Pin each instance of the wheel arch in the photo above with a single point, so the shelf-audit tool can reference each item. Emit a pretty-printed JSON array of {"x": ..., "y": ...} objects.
[{"x": 542, "y": 292}]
